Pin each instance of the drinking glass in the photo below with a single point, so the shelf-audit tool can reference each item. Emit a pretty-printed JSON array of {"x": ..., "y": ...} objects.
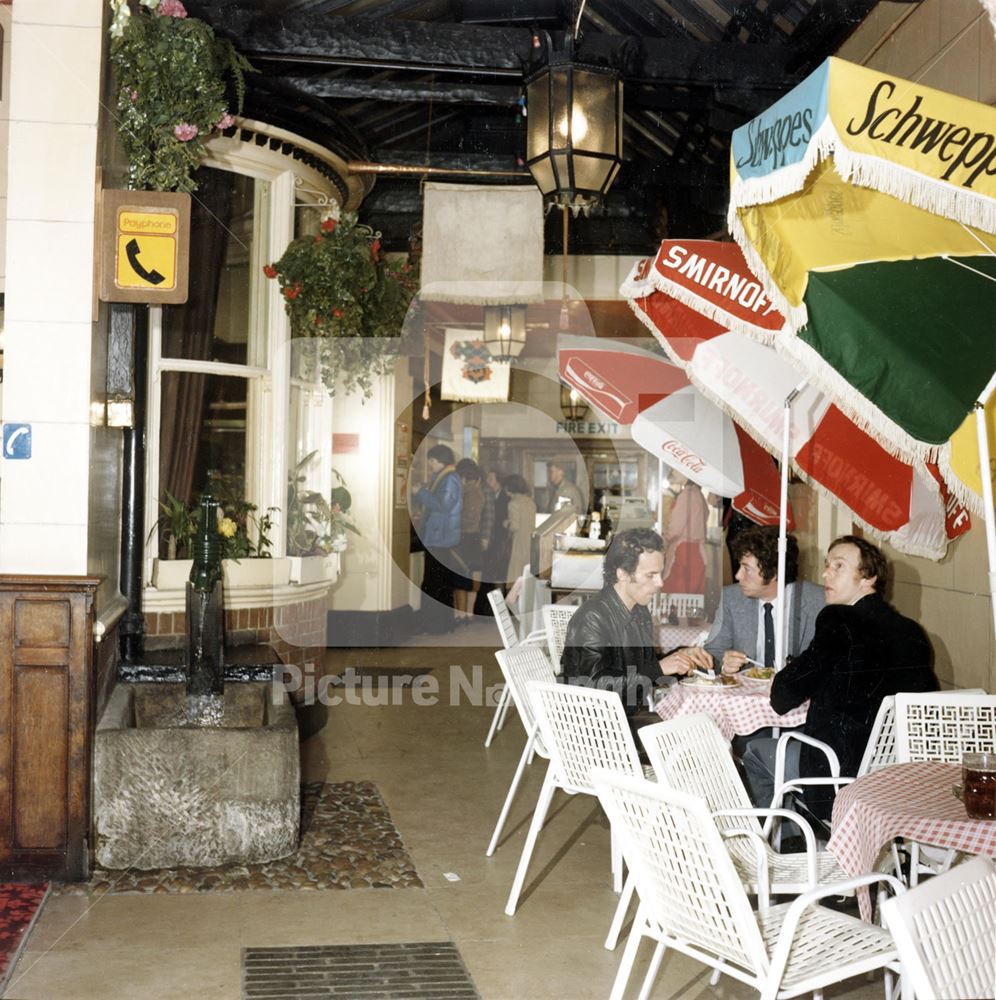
[{"x": 978, "y": 781}]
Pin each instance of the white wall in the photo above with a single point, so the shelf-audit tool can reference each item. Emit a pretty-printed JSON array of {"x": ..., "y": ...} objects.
[
  {"x": 950, "y": 45},
  {"x": 54, "y": 110}
]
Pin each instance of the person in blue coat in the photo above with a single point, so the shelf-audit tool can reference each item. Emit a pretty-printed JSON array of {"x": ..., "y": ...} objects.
[{"x": 441, "y": 503}]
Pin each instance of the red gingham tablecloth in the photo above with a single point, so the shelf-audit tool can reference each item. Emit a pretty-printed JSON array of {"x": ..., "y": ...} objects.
[
  {"x": 913, "y": 801},
  {"x": 736, "y": 710}
]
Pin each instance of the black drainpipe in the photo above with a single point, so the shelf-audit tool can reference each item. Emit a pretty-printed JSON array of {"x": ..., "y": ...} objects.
[{"x": 130, "y": 331}]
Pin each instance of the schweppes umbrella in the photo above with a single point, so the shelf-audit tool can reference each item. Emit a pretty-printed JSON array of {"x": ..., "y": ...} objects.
[{"x": 866, "y": 206}]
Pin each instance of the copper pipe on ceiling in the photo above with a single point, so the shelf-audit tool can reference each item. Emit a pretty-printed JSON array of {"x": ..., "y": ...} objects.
[{"x": 400, "y": 169}]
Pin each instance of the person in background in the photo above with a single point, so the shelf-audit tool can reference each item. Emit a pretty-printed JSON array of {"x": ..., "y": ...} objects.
[
  {"x": 562, "y": 491},
  {"x": 441, "y": 503},
  {"x": 520, "y": 522},
  {"x": 684, "y": 539},
  {"x": 745, "y": 622},
  {"x": 469, "y": 552},
  {"x": 494, "y": 540},
  {"x": 610, "y": 638},
  {"x": 862, "y": 651}
]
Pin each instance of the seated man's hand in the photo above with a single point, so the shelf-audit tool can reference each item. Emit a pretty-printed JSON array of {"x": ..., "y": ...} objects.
[
  {"x": 734, "y": 661},
  {"x": 684, "y": 661}
]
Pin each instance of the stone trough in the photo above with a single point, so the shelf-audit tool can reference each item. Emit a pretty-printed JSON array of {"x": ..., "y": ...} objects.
[{"x": 200, "y": 781}]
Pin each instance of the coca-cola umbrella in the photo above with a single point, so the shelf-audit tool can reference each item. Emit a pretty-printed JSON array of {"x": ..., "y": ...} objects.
[
  {"x": 672, "y": 420},
  {"x": 703, "y": 305}
]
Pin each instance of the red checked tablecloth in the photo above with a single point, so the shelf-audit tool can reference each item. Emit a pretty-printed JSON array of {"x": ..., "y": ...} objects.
[
  {"x": 736, "y": 710},
  {"x": 913, "y": 801}
]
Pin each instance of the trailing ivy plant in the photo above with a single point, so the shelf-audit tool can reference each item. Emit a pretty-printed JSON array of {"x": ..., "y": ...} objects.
[
  {"x": 338, "y": 288},
  {"x": 173, "y": 77}
]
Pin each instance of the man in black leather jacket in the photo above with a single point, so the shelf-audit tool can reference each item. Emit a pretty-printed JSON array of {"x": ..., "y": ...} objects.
[{"x": 610, "y": 641}]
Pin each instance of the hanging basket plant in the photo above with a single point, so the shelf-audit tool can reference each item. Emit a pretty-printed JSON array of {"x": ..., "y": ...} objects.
[
  {"x": 338, "y": 288},
  {"x": 173, "y": 78}
]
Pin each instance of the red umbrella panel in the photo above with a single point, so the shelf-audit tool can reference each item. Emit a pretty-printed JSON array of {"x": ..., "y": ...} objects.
[
  {"x": 671, "y": 419},
  {"x": 705, "y": 308}
]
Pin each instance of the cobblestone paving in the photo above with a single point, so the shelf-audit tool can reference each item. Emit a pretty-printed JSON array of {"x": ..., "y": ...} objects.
[{"x": 348, "y": 842}]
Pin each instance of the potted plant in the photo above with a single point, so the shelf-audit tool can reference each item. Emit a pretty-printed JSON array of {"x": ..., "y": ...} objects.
[
  {"x": 338, "y": 288},
  {"x": 316, "y": 526},
  {"x": 246, "y": 557},
  {"x": 173, "y": 77}
]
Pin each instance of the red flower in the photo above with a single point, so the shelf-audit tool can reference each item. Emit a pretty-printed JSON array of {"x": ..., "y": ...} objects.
[
  {"x": 269, "y": 270},
  {"x": 375, "y": 250},
  {"x": 328, "y": 225},
  {"x": 337, "y": 313},
  {"x": 293, "y": 293}
]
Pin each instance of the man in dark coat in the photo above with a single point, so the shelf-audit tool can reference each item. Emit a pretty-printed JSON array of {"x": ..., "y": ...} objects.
[
  {"x": 863, "y": 650},
  {"x": 610, "y": 641}
]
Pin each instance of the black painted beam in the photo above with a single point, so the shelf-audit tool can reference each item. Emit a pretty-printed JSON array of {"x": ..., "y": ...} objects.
[{"x": 486, "y": 51}]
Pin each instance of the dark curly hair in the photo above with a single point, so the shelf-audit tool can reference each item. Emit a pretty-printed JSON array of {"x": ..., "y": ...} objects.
[
  {"x": 761, "y": 542},
  {"x": 871, "y": 562},
  {"x": 625, "y": 551},
  {"x": 468, "y": 469},
  {"x": 441, "y": 453}
]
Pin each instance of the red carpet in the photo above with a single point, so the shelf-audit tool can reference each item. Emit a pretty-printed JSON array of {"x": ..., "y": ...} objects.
[{"x": 20, "y": 904}]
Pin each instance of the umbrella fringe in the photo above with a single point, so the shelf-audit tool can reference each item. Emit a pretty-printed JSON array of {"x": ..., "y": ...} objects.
[
  {"x": 633, "y": 287},
  {"x": 961, "y": 491}
]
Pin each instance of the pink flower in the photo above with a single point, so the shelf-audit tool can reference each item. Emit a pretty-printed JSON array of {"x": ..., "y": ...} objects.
[
  {"x": 133, "y": 96},
  {"x": 172, "y": 8},
  {"x": 225, "y": 121},
  {"x": 185, "y": 132}
]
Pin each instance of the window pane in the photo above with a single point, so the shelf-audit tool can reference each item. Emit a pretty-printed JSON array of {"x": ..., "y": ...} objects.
[
  {"x": 213, "y": 325},
  {"x": 203, "y": 436}
]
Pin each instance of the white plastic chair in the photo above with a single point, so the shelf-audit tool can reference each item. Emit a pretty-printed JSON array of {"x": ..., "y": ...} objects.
[
  {"x": 520, "y": 665},
  {"x": 582, "y": 729},
  {"x": 509, "y": 637},
  {"x": 945, "y": 931},
  {"x": 689, "y": 754},
  {"x": 692, "y": 900},
  {"x": 556, "y": 618}
]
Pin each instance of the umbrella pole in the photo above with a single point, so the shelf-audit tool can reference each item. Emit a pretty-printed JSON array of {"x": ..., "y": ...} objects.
[
  {"x": 783, "y": 526},
  {"x": 985, "y": 474}
]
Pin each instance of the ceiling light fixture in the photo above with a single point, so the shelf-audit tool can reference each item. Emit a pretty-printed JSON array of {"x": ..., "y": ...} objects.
[
  {"x": 574, "y": 126},
  {"x": 504, "y": 331}
]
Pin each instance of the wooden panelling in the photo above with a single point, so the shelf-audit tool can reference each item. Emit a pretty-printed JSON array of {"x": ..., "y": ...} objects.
[
  {"x": 46, "y": 725},
  {"x": 41, "y": 710}
]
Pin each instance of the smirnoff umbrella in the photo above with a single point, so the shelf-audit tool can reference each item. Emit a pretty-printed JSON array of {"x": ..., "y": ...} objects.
[
  {"x": 700, "y": 300},
  {"x": 671, "y": 419},
  {"x": 866, "y": 206}
]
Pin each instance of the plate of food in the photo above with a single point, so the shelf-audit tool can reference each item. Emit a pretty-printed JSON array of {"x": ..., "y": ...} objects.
[
  {"x": 723, "y": 681},
  {"x": 758, "y": 676}
]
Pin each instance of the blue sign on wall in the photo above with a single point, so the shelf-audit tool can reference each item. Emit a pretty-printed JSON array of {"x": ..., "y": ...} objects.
[{"x": 17, "y": 440}]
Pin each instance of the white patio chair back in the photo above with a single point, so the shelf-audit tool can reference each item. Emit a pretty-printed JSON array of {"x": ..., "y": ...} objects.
[
  {"x": 942, "y": 726},
  {"x": 556, "y": 618},
  {"x": 503, "y": 618},
  {"x": 690, "y": 755},
  {"x": 584, "y": 729},
  {"x": 945, "y": 930},
  {"x": 683, "y": 872},
  {"x": 521, "y": 665},
  {"x": 880, "y": 750},
  {"x": 692, "y": 900}
]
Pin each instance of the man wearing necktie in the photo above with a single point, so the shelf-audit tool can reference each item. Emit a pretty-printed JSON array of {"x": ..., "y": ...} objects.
[{"x": 744, "y": 629}]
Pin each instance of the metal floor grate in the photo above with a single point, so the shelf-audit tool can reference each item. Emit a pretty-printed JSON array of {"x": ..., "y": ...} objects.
[{"x": 417, "y": 971}]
